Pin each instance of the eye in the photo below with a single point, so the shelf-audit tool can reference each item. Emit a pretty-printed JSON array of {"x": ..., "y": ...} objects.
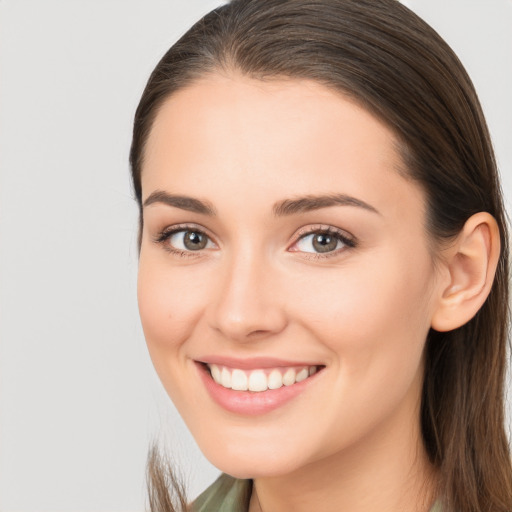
[
  {"x": 181, "y": 240},
  {"x": 186, "y": 240},
  {"x": 322, "y": 241}
]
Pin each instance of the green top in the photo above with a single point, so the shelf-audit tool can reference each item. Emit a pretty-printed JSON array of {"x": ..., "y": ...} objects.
[{"x": 228, "y": 494}]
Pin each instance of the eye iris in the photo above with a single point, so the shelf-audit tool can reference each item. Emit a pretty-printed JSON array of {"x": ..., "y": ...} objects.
[
  {"x": 324, "y": 242},
  {"x": 194, "y": 240}
]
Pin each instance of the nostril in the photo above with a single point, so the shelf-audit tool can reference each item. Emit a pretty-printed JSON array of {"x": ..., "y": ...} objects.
[{"x": 257, "y": 333}]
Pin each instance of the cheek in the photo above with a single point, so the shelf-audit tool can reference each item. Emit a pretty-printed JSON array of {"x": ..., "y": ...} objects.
[
  {"x": 373, "y": 316},
  {"x": 170, "y": 304},
  {"x": 374, "y": 322}
]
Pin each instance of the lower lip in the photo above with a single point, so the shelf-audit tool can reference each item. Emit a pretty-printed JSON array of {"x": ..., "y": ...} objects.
[{"x": 251, "y": 403}]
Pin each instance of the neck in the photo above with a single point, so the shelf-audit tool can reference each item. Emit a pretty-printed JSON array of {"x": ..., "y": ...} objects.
[{"x": 386, "y": 471}]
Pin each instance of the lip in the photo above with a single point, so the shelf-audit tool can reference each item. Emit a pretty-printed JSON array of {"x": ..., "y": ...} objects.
[
  {"x": 255, "y": 363},
  {"x": 251, "y": 403}
]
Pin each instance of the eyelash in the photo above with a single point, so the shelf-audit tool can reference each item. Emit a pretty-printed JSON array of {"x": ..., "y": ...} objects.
[
  {"x": 164, "y": 236},
  {"x": 348, "y": 242}
]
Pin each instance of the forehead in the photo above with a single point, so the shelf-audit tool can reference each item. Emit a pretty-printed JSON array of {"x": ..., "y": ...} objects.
[{"x": 281, "y": 137}]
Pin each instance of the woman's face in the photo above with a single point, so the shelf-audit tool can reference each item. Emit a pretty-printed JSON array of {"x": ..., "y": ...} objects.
[{"x": 280, "y": 239}]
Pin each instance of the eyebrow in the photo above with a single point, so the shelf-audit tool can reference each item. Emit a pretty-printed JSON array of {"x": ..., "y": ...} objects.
[
  {"x": 281, "y": 208},
  {"x": 311, "y": 202},
  {"x": 183, "y": 202}
]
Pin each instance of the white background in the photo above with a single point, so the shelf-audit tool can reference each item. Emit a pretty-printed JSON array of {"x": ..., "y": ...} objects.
[{"x": 79, "y": 402}]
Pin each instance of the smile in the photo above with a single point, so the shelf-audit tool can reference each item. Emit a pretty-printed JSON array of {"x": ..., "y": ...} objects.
[
  {"x": 261, "y": 379},
  {"x": 254, "y": 391}
]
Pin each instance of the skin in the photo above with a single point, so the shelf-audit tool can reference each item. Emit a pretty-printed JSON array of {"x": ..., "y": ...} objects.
[{"x": 351, "y": 440}]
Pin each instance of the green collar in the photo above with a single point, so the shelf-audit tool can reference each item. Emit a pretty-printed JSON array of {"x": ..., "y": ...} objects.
[{"x": 228, "y": 494}]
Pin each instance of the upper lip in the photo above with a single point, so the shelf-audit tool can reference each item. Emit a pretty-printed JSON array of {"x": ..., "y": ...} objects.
[{"x": 253, "y": 362}]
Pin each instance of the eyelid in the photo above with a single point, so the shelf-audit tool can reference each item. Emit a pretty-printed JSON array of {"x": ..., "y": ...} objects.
[
  {"x": 348, "y": 239},
  {"x": 164, "y": 234},
  {"x": 322, "y": 228}
]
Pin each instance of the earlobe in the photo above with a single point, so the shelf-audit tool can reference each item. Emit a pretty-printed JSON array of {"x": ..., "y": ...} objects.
[{"x": 471, "y": 265}]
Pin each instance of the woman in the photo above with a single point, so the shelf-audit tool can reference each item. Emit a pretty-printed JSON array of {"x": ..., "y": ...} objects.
[{"x": 323, "y": 279}]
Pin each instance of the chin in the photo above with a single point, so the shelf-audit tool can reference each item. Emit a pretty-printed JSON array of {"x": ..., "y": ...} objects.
[{"x": 253, "y": 462}]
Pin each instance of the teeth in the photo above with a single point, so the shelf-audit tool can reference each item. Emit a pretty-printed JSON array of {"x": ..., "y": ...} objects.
[
  {"x": 239, "y": 380},
  {"x": 275, "y": 380},
  {"x": 303, "y": 374},
  {"x": 289, "y": 377},
  {"x": 225, "y": 378},
  {"x": 215, "y": 373},
  {"x": 259, "y": 380}
]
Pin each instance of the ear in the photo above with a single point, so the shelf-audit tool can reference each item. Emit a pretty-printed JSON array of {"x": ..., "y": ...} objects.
[{"x": 470, "y": 265}]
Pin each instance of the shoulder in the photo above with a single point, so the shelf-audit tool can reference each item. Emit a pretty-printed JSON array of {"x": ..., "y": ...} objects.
[
  {"x": 436, "y": 507},
  {"x": 226, "y": 494}
]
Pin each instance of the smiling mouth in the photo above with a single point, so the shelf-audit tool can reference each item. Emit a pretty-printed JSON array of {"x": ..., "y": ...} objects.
[{"x": 259, "y": 380}]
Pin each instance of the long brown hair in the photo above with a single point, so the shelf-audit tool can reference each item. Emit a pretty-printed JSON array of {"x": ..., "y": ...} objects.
[{"x": 398, "y": 68}]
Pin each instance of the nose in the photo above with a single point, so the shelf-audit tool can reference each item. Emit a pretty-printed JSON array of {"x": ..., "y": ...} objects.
[{"x": 247, "y": 306}]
